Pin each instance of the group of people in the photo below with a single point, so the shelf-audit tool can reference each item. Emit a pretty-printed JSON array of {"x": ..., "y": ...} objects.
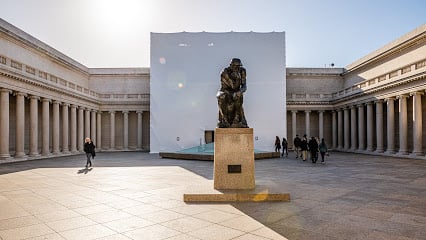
[
  {"x": 284, "y": 145},
  {"x": 302, "y": 146}
]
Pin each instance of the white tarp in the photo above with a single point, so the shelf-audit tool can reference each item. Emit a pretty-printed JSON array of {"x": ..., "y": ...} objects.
[{"x": 185, "y": 76}]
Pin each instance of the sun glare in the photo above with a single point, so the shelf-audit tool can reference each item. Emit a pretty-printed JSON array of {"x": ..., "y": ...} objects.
[{"x": 119, "y": 14}]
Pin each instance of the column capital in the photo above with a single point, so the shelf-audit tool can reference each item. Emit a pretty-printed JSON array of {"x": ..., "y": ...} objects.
[
  {"x": 378, "y": 101},
  {"x": 64, "y": 104},
  {"x": 294, "y": 111},
  {"x": 73, "y": 106},
  {"x": 111, "y": 112},
  {"x": 390, "y": 99},
  {"x": 416, "y": 93},
  {"x": 17, "y": 93},
  {"x": 360, "y": 105},
  {"x": 5, "y": 90},
  {"x": 321, "y": 111},
  {"x": 33, "y": 97},
  {"x": 94, "y": 110},
  {"x": 140, "y": 111},
  {"x": 46, "y": 100},
  {"x": 402, "y": 96},
  {"x": 369, "y": 103},
  {"x": 307, "y": 111},
  {"x": 56, "y": 102}
]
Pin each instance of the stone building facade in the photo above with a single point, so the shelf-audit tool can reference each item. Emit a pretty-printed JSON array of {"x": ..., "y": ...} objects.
[{"x": 49, "y": 103}]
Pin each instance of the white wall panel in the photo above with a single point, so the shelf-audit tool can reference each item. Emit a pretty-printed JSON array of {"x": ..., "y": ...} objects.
[{"x": 185, "y": 76}]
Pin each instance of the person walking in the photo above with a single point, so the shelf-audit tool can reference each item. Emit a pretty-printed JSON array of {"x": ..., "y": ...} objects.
[
  {"x": 304, "y": 147},
  {"x": 313, "y": 148},
  {"x": 277, "y": 144},
  {"x": 89, "y": 149},
  {"x": 285, "y": 147},
  {"x": 296, "y": 145},
  {"x": 323, "y": 150}
]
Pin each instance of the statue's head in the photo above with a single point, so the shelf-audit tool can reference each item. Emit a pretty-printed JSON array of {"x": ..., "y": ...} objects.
[{"x": 236, "y": 62}]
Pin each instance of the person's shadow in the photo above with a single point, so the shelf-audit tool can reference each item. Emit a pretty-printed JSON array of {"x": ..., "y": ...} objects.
[{"x": 84, "y": 170}]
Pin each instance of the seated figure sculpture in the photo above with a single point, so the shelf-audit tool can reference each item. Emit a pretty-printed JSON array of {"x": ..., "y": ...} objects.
[{"x": 230, "y": 96}]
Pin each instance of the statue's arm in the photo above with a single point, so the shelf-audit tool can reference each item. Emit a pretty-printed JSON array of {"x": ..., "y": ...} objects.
[
  {"x": 243, "y": 80},
  {"x": 226, "y": 81}
]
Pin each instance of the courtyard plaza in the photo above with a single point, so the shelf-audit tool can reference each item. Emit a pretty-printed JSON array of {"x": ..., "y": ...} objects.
[{"x": 137, "y": 195}]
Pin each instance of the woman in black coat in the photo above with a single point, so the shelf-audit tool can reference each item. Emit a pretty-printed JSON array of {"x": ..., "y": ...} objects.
[{"x": 89, "y": 149}]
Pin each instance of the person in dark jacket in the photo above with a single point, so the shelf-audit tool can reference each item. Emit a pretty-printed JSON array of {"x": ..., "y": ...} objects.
[
  {"x": 323, "y": 150},
  {"x": 304, "y": 147},
  {"x": 89, "y": 149},
  {"x": 296, "y": 145},
  {"x": 313, "y": 148},
  {"x": 277, "y": 144},
  {"x": 285, "y": 146}
]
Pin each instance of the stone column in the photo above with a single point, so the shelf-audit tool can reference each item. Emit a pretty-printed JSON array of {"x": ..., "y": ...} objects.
[
  {"x": 339, "y": 129},
  {"x": 361, "y": 128},
  {"x": 20, "y": 125},
  {"x": 417, "y": 124},
  {"x": 403, "y": 133},
  {"x": 307, "y": 124},
  {"x": 346, "y": 132},
  {"x": 99, "y": 131},
  {"x": 65, "y": 128},
  {"x": 93, "y": 127},
  {"x": 34, "y": 126},
  {"x": 125, "y": 130},
  {"x": 45, "y": 148},
  {"x": 334, "y": 128},
  {"x": 379, "y": 126},
  {"x": 112, "y": 129},
  {"x": 86, "y": 123},
  {"x": 4, "y": 124},
  {"x": 73, "y": 126},
  {"x": 370, "y": 126},
  {"x": 139, "y": 146},
  {"x": 293, "y": 125},
  {"x": 321, "y": 124},
  {"x": 390, "y": 125},
  {"x": 354, "y": 128},
  {"x": 80, "y": 125},
  {"x": 55, "y": 126}
]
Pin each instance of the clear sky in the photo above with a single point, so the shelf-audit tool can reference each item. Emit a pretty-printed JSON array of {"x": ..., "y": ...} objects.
[{"x": 116, "y": 33}]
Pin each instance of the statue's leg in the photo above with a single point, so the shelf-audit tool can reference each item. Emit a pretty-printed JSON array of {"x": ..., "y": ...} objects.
[
  {"x": 236, "y": 119},
  {"x": 223, "y": 112}
]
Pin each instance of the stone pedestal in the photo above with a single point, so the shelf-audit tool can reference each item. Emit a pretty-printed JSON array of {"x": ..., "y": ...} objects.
[{"x": 234, "y": 158}]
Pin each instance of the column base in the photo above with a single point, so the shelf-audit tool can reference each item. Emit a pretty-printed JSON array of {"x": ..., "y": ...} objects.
[
  {"x": 20, "y": 155},
  {"x": 416, "y": 154},
  {"x": 402, "y": 153},
  {"x": 390, "y": 151},
  {"x": 5, "y": 156}
]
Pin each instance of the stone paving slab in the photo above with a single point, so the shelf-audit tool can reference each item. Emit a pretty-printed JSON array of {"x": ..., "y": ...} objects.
[{"x": 135, "y": 195}]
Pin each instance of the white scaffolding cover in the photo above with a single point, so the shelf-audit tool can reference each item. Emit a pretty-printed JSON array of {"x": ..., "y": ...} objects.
[{"x": 185, "y": 76}]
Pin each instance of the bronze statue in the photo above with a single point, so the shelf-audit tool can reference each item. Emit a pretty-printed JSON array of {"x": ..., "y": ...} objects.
[{"x": 230, "y": 96}]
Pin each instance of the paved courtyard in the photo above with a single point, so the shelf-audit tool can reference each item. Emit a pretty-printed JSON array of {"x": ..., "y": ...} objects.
[{"x": 134, "y": 195}]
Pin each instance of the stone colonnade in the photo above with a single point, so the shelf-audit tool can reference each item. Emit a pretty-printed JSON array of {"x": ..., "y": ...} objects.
[
  {"x": 393, "y": 125},
  {"x": 60, "y": 129}
]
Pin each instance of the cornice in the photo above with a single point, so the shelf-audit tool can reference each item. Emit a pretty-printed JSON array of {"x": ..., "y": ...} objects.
[
  {"x": 413, "y": 38},
  {"x": 27, "y": 41}
]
